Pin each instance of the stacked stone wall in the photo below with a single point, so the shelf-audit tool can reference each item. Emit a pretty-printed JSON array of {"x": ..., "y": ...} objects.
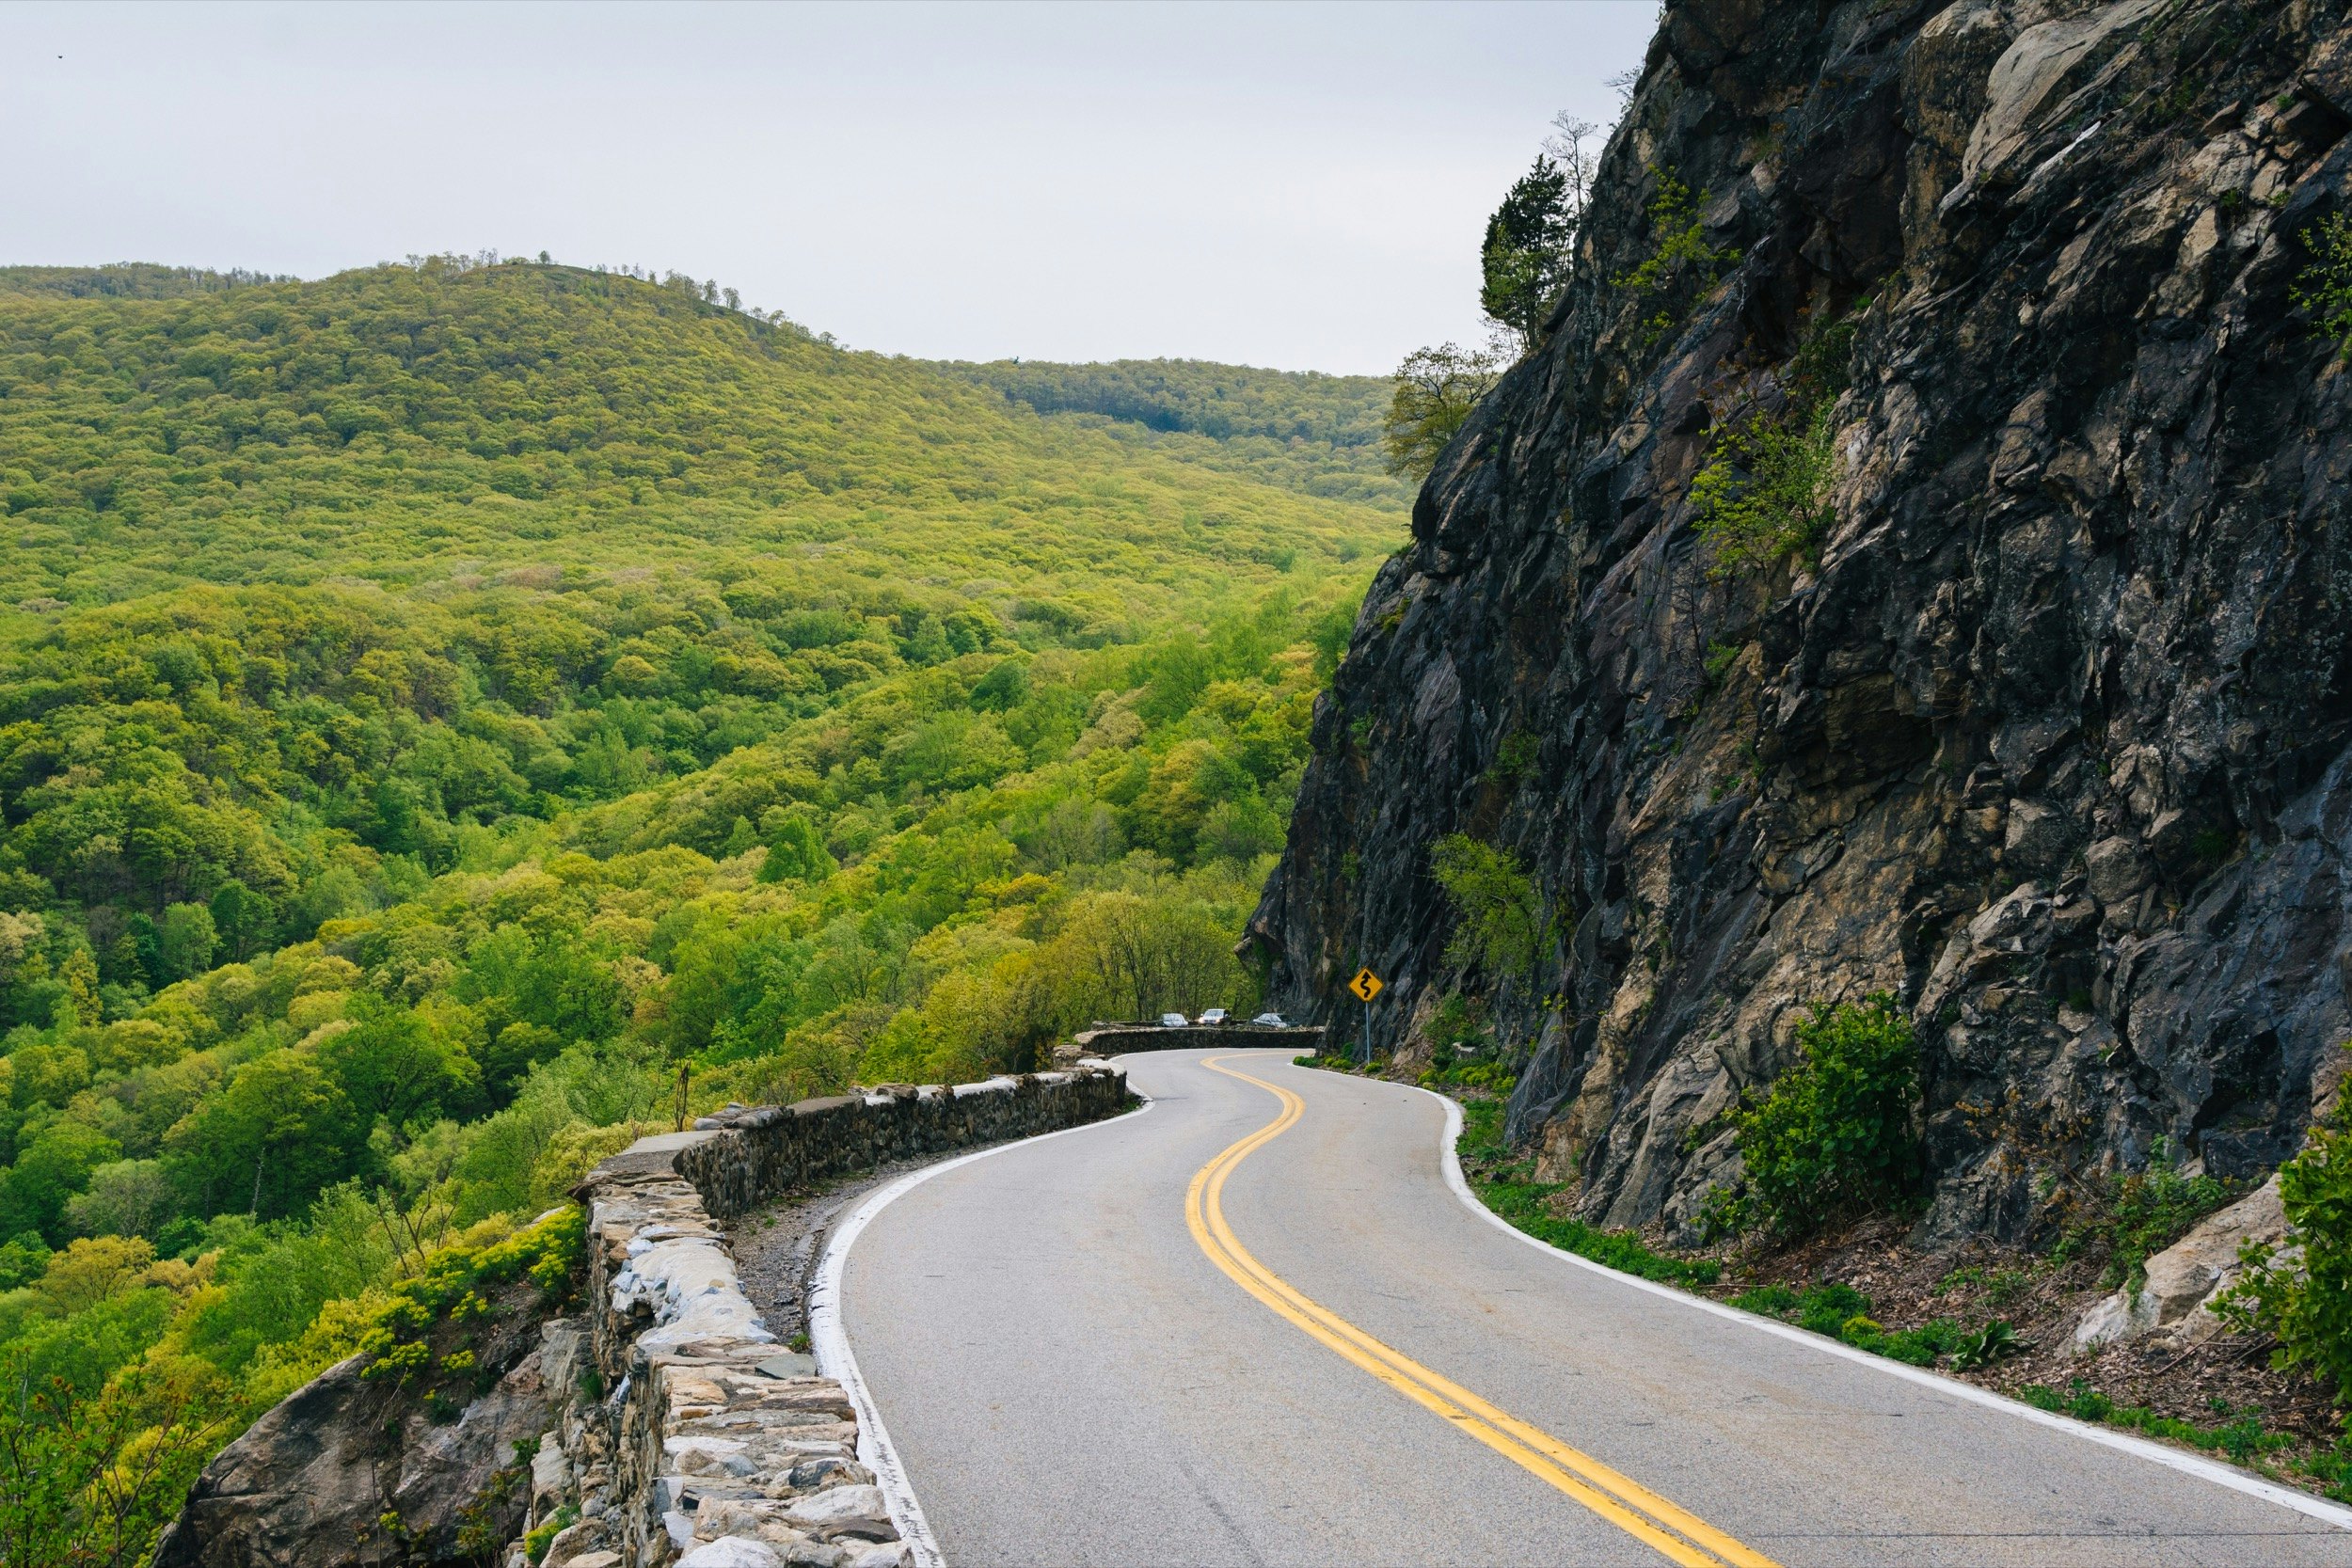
[
  {"x": 693, "y": 1437},
  {"x": 1117, "y": 1039}
]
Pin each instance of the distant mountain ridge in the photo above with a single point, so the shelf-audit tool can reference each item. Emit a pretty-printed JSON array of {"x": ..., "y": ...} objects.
[
  {"x": 1301, "y": 429},
  {"x": 130, "y": 280}
]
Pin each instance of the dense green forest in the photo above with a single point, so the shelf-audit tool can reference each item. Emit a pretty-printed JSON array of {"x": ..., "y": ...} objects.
[
  {"x": 1305, "y": 431},
  {"x": 440, "y": 702}
]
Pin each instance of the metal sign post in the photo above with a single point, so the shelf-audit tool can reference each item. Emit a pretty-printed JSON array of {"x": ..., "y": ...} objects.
[{"x": 1366, "y": 986}]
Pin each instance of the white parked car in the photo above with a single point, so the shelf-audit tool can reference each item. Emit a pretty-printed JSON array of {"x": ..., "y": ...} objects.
[
  {"x": 1172, "y": 1020},
  {"x": 1214, "y": 1016},
  {"x": 1272, "y": 1020}
]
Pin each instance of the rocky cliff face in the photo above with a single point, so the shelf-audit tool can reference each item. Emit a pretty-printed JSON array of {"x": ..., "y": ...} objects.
[
  {"x": 351, "y": 1472},
  {"x": 2046, "y": 734}
]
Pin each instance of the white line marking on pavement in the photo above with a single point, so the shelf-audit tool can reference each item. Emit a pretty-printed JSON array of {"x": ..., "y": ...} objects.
[
  {"x": 829, "y": 1342},
  {"x": 2237, "y": 1481}
]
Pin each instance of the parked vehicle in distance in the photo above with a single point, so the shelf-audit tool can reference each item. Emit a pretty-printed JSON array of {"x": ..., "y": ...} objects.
[
  {"x": 1272, "y": 1020},
  {"x": 1214, "y": 1016},
  {"x": 1172, "y": 1020}
]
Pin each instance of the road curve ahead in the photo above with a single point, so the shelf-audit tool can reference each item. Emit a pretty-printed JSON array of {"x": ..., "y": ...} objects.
[{"x": 1256, "y": 1326}]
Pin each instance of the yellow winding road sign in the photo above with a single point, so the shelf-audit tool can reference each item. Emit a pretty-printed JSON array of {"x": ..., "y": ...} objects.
[{"x": 1366, "y": 984}]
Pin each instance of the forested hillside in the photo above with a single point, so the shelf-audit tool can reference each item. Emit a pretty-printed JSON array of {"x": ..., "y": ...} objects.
[
  {"x": 1320, "y": 434},
  {"x": 440, "y": 702}
]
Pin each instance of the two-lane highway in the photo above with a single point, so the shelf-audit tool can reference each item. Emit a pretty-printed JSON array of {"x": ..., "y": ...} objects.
[{"x": 1256, "y": 1325}]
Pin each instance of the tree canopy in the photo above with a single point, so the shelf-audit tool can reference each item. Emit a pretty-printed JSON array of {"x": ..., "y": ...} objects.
[{"x": 439, "y": 703}]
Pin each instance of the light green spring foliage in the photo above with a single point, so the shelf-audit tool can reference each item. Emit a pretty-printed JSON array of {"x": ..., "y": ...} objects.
[
  {"x": 1431, "y": 398},
  {"x": 1679, "y": 265},
  {"x": 2324, "y": 288},
  {"x": 1763, "y": 494},
  {"x": 1500, "y": 925},
  {"x": 437, "y": 702}
]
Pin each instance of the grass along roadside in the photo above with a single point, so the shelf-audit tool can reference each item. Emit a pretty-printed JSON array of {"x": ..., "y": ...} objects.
[
  {"x": 2240, "y": 1433},
  {"x": 1508, "y": 1186}
]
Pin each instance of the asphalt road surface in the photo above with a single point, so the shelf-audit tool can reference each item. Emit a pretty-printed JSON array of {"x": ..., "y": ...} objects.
[{"x": 1255, "y": 1325}]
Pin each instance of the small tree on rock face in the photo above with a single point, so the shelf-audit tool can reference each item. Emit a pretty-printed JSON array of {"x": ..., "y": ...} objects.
[
  {"x": 1524, "y": 262},
  {"x": 1529, "y": 249},
  {"x": 1435, "y": 390},
  {"x": 1500, "y": 925}
]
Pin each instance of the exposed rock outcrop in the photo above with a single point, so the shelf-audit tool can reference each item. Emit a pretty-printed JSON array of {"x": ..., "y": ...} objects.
[
  {"x": 349, "y": 1471},
  {"x": 2183, "y": 1279},
  {"x": 2047, "y": 736}
]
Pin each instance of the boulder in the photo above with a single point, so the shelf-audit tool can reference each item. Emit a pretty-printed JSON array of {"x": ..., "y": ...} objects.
[{"x": 2183, "y": 1279}]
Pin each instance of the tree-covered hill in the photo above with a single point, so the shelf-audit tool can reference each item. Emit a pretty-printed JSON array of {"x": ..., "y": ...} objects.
[
  {"x": 1307, "y": 431},
  {"x": 439, "y": 704},
  {"x": 127, "y": 280},
  {"x": 383, "y": 419}
]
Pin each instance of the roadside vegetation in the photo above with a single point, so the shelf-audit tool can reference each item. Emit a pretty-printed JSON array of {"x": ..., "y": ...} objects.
[
  {"x": 1833, "y": 1138},
  {"x": 1812, "y": 1228}
]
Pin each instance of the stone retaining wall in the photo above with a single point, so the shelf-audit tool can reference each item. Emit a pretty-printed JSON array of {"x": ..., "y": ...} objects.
[
  {"x": 777, "y": 1147},
  {"x": 1116, "y": 1040},
  {"x": 692, "y": 1436}
]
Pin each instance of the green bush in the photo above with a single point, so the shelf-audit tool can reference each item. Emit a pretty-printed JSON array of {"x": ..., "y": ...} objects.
[
  {"x": 1824, "y": 1309},
  {"x": 1499, "y": 915},
  {"x": 2307, "y": 1306},
  {"x": 2324, "y": 287},
  {"x": 1835, "y": 1137},
  {"x": 453, "y": 1284},
  {"x": 1681, "y": 267},
  {"x": 1764, "y": 493},
  {"x": 535, "y": 1542},
  {"x": 1918, "y": 1347},
  {"x": 2139, "y": 1215}
]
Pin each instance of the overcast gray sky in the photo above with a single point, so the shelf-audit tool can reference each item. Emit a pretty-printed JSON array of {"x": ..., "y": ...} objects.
[{"x": 1296, "y": 185}]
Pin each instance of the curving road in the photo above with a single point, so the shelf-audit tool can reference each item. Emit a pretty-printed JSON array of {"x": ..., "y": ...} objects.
[{"x": 1256, "y": 1325}]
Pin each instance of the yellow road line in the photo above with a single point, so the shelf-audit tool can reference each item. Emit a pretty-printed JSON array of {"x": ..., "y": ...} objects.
[{"x": 1678, "y": 1535}]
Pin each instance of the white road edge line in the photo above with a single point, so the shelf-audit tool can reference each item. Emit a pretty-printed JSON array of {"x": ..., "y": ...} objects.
[
  {"x": 2189, "y": 1463},
  {"x": 830, "y": 1341}
]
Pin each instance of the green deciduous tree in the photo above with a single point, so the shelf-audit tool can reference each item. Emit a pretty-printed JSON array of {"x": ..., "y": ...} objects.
[
  {"x": 128, "y": 1197},
  {"x": 76, "y": 1490},
  {"x": 1500, "y": 923},
  {"x": 185, "y": 940},
  {"x": 796, "y": 852},
  {"x": 282, "y": 1129},
  {"x": 392, "y": 1066},
  {"x": 50, "y": 1168},
  {"x": 1435, "y": 390}
]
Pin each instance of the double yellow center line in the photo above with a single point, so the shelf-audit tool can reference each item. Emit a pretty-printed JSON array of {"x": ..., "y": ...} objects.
[{"x": 1623, "y": 1501}]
